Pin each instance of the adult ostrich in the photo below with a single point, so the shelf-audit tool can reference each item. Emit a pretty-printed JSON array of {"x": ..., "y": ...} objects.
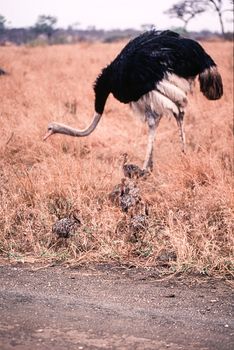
[{"x": 153, "y": 73}]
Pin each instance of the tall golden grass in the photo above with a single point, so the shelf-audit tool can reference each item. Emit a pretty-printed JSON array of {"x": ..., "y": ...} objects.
[{"x": 189, "y": 226}]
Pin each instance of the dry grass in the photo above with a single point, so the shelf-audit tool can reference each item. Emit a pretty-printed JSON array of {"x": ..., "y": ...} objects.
[{"x": 190, "y": 218}]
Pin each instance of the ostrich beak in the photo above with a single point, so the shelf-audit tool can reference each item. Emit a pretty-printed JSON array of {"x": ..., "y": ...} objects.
[{"x": 48, "y": 134}]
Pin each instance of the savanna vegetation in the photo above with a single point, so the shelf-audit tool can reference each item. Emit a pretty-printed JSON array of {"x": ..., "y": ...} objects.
[{"x": 188, "y": 225}]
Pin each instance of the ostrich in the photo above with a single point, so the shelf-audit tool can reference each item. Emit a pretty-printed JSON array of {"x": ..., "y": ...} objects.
[
  {"x": 153, "y": 74},
  {"x": 131, "y": 170},
  {"x": 66, "y": 227},
  {"x": 126, "y": 195}
]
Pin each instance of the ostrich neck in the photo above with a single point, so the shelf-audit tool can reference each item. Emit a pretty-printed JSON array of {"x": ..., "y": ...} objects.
[{"x": 68, "y": 130}]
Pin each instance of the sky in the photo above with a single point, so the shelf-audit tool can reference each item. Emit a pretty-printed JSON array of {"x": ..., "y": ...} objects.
[{"x": 106, "y": 14}]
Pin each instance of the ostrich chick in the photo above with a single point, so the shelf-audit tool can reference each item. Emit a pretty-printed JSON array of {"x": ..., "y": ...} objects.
[
  {"x": 66, "y": 227},
  {"x": 125, "y": 195},
  {"x": 131, "y": 170},
  {"x": 153, "y": 74}
]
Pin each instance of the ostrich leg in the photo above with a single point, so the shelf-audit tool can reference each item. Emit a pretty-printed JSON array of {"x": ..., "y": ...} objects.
[
  {"x": 180, "y": 123},
  {"x": 153, "y": 122}
]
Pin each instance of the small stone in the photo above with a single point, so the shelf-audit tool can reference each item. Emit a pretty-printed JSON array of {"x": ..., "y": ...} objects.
[{"x": 170, "y": 296}]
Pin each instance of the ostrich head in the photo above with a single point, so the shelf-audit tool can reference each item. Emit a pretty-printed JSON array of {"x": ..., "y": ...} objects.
[{"x": 53, "y": 128}]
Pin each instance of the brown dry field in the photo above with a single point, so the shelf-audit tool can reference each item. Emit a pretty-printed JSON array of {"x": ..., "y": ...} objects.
[{"x": 189, "y": 227}]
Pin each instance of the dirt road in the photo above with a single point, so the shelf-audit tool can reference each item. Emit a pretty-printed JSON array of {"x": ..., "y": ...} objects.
[{"x": 111, "y": 308}]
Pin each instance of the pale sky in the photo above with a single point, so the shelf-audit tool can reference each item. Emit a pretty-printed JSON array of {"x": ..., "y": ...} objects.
[{"x": 106, "y": 14}]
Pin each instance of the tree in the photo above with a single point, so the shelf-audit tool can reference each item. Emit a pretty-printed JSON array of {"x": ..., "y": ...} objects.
[
  {"x": 2, "y": 23},
  {"x": 217, "y": 5},
  {"x": 185, "y": 11},
  {"x": 45, "y": 25},
  {"x": 188, "y": 9},
  {"x": 147, "y": 26}
]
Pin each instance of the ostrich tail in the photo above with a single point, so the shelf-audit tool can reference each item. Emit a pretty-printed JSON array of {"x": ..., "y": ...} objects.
[{"x": 211, "y": 83}]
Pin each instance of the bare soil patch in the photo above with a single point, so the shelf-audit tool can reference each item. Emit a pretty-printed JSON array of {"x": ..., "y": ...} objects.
[{"x": 110, "y": 307}]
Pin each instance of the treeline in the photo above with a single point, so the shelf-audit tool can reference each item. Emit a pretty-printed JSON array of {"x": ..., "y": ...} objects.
[
  {"x": 28, "y": 36},
  {"x": 20, "y": 36}
]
